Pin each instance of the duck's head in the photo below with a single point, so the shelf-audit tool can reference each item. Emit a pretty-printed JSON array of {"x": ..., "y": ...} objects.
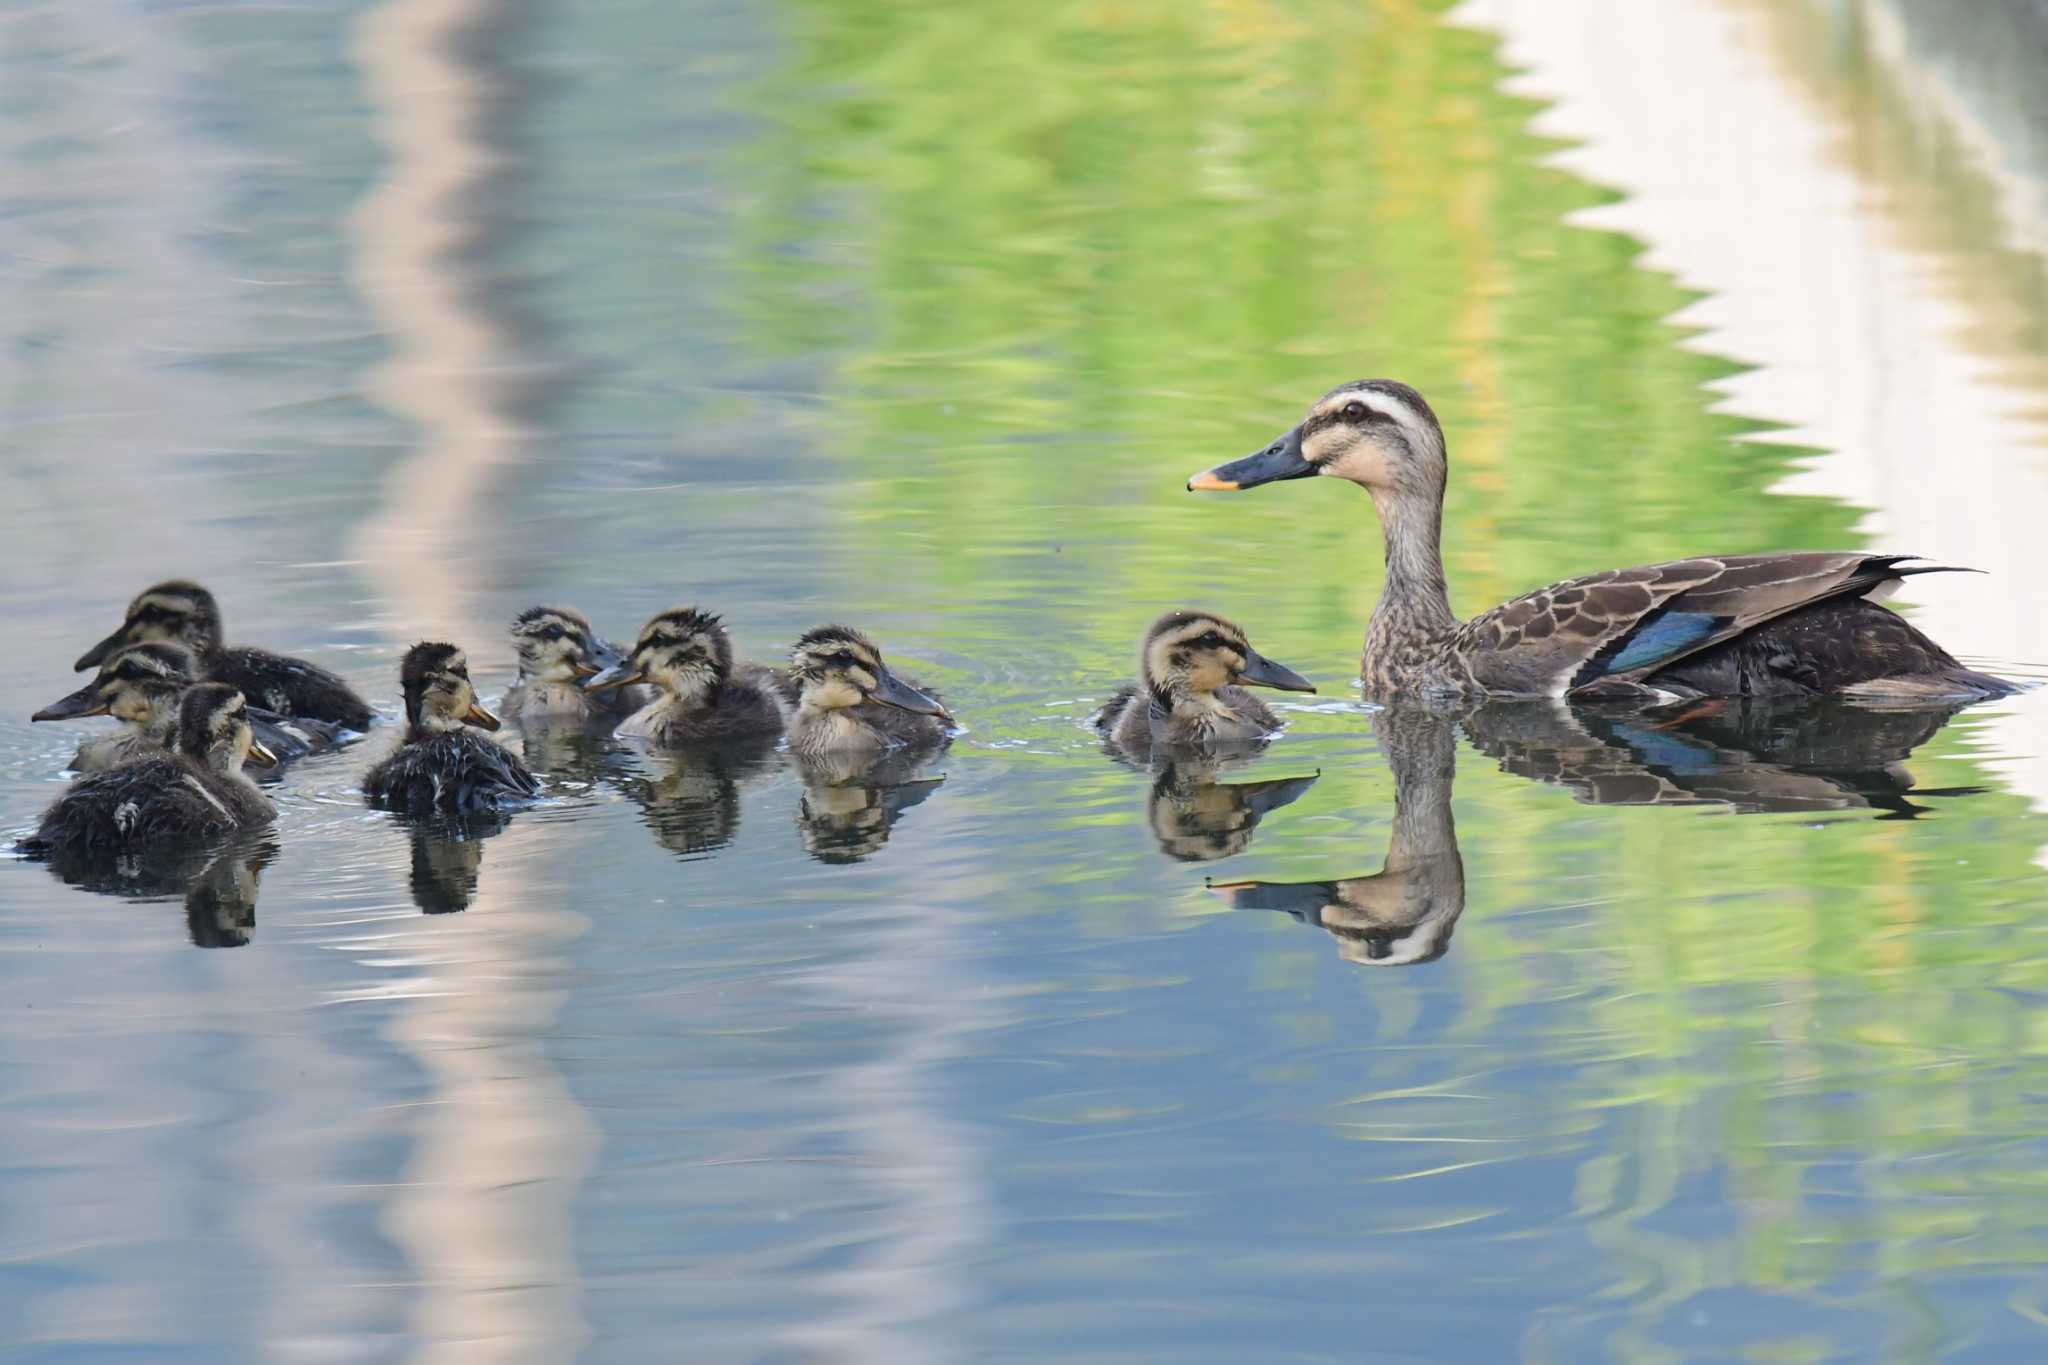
[
  {"x": 837, "y": 666},
  {"x": 438, "y": 694},
  {"x": 684, "y": 652},
  {"x": 213, "y": 729},
  {"x": 176, "y": 610},
  {"x": 140, "y": 685},
  {"x": 556, "y": 644},
  {"x": 1378, "y": 433},
  {"x": 1192, "y": 653}
]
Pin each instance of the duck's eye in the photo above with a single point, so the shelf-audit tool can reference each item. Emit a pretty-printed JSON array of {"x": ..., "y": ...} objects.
[
  {"x": 1211, "y": 641},
  {"x": 1355, "y": 412},
  {"x": 842, "y": 660}
]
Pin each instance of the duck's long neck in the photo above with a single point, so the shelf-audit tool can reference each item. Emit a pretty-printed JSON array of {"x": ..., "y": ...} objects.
[{"x": 1415, "y": 606}]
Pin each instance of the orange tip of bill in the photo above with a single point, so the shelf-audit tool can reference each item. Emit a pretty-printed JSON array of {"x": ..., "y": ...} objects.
[{"x": 1207, "y": 482}]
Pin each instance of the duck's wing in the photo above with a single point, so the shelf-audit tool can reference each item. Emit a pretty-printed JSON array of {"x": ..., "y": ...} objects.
[
  {"x": 292, "y": 687},
  {"x": 1617, "y": 627}
]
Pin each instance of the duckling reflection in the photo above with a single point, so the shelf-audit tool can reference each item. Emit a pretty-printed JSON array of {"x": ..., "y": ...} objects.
[
  {"x": 448, "y": 856},
  {"x": 1752, "y": 754},
  {"x": 690, "y": 799},
  {"x": 1404, "y": 913},
  {"x": 1198, "y": 819},
  {"x": 217, "y": 880},
  {"x": 853, "y": 798}
]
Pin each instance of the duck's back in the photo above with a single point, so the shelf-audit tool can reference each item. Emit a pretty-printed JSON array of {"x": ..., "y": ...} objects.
[
  {"x": 158, "y": 799},
  {"x": 288, "y": 686},
  {"x": 454, "y": 770},
  {"x": 102, "y": 752},
  {"x": 746, "y": 707}
]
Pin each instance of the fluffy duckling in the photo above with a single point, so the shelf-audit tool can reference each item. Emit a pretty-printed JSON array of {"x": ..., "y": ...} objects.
[
  {"x": 848, "y": 699},
  {"x": 443, "y": 764},
  {"x": 558, "y": 653},
  {"x": 1193, "y": 667},
  {"x": 196, "y": 792},
  {"x": 702, "y": 696},
  {"x": 140, "y": 686},
  {"x": 186, "y": 613}
]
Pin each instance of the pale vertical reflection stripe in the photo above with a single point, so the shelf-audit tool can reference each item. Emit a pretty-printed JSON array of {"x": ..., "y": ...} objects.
[
  {"x": 485, "y": 1212},
  {"x": 1863, "y": 338}
]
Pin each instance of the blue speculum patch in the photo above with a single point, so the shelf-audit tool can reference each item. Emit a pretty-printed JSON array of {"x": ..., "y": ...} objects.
[{"x": 1670, "y": 634}]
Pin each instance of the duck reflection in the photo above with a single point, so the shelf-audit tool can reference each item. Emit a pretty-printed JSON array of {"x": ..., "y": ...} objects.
[
  {"x": 448, "y": 856},
  {"x": 1748, "y": 754},
  {"x": 217, "y": 880},
  {"x": 853, "y": 798},
  {"x": 1198, "y": 819},
  {"x": 1743, "y": 754},
  {"x": 690, "y": 798},
  {"x": 1404, "y": 913}
]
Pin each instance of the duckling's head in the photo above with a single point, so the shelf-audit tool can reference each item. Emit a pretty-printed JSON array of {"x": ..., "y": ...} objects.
[
  {"x": 1378, "y": 433},
  {"x": 555, "y": 644},
  {"x": 175, "y": 610},
  {"x": 837, "y": 667},
  {"x": 685, "y": 652},
  {"x": 140, "y": 685},
  {"x": 213, "y": 729},
  {"x": 1192, "y": 653},
  {"x": 438, "y": 694}
]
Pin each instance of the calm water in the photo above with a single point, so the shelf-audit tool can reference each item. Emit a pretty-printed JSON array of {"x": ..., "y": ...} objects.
[{"x": 1651, "y": 1042}]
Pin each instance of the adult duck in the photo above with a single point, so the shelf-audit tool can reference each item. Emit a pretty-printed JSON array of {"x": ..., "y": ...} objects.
[{"x": 1799, "y": 623}]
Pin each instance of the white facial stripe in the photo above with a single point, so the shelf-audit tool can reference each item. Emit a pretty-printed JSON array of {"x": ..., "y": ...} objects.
[{"x": 1385, "y": 404}]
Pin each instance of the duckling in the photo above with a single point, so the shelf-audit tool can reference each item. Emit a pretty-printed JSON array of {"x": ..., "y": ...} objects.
[
  {"x": 185, "y": 612},
  {"x": 442, "y": 763},
  {"x": 687, "y": 655},
  {"x": 140, "y": 686},
  {"x": 558, "y": 652},
  {"x": 1192, "y": 668},
  {"x": 848, "y": 699},
  {"x": 196, "y": 792}
]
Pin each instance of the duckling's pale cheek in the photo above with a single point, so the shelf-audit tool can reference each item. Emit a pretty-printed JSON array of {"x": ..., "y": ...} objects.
[{"x": 834, "y": 693}]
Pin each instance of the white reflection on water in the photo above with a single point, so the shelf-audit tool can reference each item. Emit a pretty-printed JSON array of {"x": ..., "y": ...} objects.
[
  {"x": 1860, "y": 309},
  {"x": 485, "y": 1211}
]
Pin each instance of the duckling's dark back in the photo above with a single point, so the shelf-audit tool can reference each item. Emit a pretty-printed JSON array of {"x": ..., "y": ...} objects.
[
  {"x": 161, "y": 799},
  {"x": 449, "y": 770}
]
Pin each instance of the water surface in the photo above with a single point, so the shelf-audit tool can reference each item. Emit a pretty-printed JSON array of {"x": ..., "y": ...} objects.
[{"x": 1649, "y": 1040}]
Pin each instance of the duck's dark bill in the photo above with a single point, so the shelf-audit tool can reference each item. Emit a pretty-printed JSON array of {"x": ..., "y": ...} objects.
[
  {"x": 1281, "y": 460},
  {"x": 86, "y": 701},
  {"x": 260, "y": 755},
  {"x": 478, "y": 716},
  {"x": 1263, "y": 672},
  {"x": 92, "y": 657},
  {"x": 618, "y": 675},
  {"x": 901, "y": 694}
]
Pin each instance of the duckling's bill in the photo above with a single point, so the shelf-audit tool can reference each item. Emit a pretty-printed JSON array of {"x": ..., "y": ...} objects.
[
  {"x": 1261, "y": 671},
  {"x": 261, "y": 755},
  {"x": 86, "y": 701},
  {"x": 92, "y": 658},
  {"x": 893, "y": 691},
  {"x": 477, "y": 715},
  {"x": 1281, "y": 460},
  {"x": 621, "y": 674}
]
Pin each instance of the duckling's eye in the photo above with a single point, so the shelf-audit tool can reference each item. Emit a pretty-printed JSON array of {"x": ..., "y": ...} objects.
[
  {"x": 1211, "y": 641},
  {"x": 1356, "y": 412},
  {"x": 841, "y": 660}
]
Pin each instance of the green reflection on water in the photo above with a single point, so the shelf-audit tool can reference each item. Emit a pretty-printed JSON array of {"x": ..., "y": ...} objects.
[{"x": 1053, "y": 259}]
